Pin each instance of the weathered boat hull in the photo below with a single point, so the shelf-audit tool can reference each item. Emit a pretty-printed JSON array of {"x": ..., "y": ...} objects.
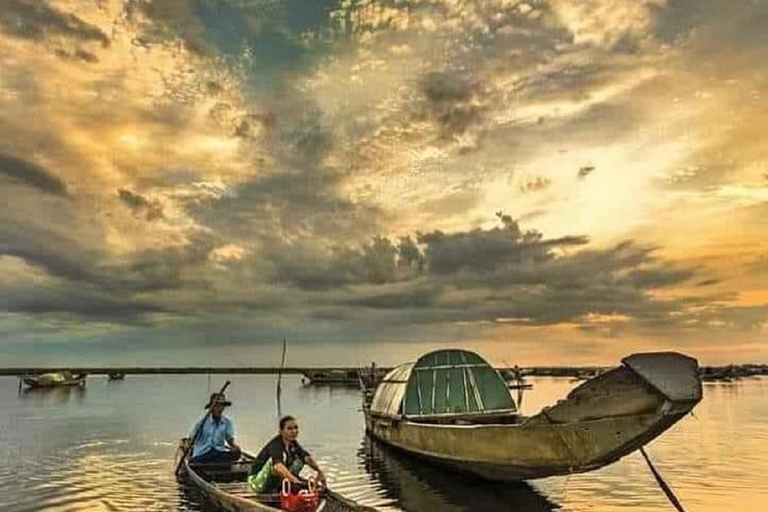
[
  {"x": 229, "y": 490},
  {"x": 601, "y": 421},
  {"x": 226, "y": 500}
]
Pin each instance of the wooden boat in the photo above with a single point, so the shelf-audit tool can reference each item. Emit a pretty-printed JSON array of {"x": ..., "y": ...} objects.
[
  {"x": 451, "y": 408},
  {"x": 54, "y": 380},
  {"x": 116, "y": 376},
  {"x": 332, "y": 377},
  {"x": 225, "y": 484},
  {"x": 366, "y": 377}
]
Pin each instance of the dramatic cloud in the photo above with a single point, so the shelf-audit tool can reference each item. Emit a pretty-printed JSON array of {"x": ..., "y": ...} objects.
[
  {"x": 33, "y": 175},
  {"x": 233, "y": 167}
]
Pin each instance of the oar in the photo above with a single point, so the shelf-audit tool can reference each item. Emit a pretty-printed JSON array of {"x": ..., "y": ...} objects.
[{"x": 197, "y": 431}]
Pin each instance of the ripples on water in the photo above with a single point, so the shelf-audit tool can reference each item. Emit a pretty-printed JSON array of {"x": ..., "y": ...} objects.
[{"x": 110, "y": 447}]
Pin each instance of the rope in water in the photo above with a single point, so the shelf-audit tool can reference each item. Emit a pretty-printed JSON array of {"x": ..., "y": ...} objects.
[{"x": 664, "y": 487}]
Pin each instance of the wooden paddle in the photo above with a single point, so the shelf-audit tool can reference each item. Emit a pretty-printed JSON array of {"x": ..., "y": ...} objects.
[{"x": 197, "y": 430}]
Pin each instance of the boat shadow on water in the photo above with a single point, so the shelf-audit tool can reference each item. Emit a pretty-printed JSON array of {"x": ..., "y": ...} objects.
[{"x": 417, "y": 486}]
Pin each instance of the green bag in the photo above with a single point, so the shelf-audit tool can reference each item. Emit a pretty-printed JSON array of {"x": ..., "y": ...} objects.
[{"x": 258, "y": 481}]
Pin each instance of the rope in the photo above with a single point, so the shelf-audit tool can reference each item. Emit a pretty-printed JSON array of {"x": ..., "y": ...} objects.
[{"x": 664, "y": 487}]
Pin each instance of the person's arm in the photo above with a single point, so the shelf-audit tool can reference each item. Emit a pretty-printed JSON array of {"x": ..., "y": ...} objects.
[
  {"x": 230, "y": 436},
  {"x": 193, "y": 430},
  {"x": 320, "y": 477},
  {"x": 280, "y": 469},
  {"x": 309, "y": 461}
]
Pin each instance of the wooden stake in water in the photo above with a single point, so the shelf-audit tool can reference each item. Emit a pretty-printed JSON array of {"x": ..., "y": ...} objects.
[
  {"x": 279, "y": 379},
  {"x": 664, "y": 487}
]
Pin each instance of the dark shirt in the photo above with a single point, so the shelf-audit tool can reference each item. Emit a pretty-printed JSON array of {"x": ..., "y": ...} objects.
[{"x": 279, "y": 452}]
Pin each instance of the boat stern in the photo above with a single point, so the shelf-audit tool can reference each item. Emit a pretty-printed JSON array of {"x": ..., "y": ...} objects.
[{"x": 674, "y": 376}]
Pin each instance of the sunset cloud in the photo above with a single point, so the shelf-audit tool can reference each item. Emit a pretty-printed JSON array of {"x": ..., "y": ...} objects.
[{"x": 368, "y": 172}]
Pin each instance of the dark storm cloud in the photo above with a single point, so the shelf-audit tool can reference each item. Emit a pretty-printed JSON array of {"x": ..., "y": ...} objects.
[
  {"x": 169, "y": 20},
  {"x": 448, "y": 101},
  {"x": 36, "y": 20},
  {"x": 86, "y": 303},
  {"x": 31, "y": 174},
  {"x": 311, "y": 268},
  {"x": 703, "y": 20},
  {"x": 140, "y": 204},
  {"x": 488, "y": 249}
]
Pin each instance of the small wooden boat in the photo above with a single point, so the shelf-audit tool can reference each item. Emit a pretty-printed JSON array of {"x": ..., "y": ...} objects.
[
  {"x": 331, "y": 378},
  {"x": 55, "y": 380},
  {"x": 452, "y": 408},
  {"x": 226, "y": 485},
  {"x": 116, "y": 376}
]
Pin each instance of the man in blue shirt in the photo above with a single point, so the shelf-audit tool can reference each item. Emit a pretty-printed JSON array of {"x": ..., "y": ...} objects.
[{"x": 216, "y": 433}]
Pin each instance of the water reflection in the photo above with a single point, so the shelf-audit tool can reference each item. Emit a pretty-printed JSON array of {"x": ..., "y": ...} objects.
[
  {"x": 59, "y": 395},
  {"x": 416, "y": 486}
]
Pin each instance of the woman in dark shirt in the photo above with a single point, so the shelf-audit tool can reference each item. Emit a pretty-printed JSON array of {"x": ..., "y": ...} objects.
[{"x": 282, "y": 457}]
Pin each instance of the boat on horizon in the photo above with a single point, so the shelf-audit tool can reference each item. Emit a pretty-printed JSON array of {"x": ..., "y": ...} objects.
[
  {"x": 451, "y": 408},
  {"x": 55, "y": 379},
  {"x": 364, "y": 378}
]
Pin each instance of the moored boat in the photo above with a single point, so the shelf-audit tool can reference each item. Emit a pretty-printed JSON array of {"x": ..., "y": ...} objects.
[
  {"x": 332, "y": 377},
  {"x": 116, "y": 376},
  {"x": 450, "y": 407},
  {"x": 55, "y": 379}
]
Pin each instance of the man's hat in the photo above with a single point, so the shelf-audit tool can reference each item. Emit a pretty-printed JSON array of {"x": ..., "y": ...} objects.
[{"x": 217, "y": 398}]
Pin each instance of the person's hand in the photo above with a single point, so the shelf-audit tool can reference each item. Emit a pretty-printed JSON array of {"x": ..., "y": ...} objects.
[{"x": 320, "y": 477}]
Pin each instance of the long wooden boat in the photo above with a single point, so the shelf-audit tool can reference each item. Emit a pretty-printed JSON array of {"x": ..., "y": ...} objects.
[
  {"x": 453, "y": 409},
  {"x": 226, "y": 485},
  {"x": 54, "y": 380}
]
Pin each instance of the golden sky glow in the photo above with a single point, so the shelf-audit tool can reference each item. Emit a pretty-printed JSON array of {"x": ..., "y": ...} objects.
[{"x": 567, "y": 180}]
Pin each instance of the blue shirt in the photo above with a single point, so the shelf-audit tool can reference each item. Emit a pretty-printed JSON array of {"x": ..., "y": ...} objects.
[{"x": 212, "y": 435}]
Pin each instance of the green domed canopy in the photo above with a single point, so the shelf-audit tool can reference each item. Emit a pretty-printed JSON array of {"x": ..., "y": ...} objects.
[{"x": 443, "y": 383}]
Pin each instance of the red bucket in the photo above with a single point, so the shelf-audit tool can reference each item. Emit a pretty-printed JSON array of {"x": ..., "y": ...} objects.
[{"x": 305, "y": 500}]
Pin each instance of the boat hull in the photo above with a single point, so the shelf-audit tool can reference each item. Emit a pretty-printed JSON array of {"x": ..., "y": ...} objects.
[
  {"x": 526, "y": 451},
  {"x": 229, "y": 490},
  {"x": 600, "y": 421},
  {"x": 227, "y": 501}
]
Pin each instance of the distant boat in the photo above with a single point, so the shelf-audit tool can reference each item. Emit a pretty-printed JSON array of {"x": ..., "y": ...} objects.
[
  {"x": 515, "y": 379},
  {"x": 55, "y": 380},
  {"x": 116, "y": 376},
  {"x": 450, "y": 407},
  {"x": 332, "y": 377},
  {"x": 363, "y": 378}
]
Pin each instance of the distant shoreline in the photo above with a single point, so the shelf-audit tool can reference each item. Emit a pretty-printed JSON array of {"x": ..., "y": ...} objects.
[{"x": 716, "y": 372}]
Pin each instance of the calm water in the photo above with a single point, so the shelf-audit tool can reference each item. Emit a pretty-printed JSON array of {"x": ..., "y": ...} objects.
[{"x": 110, "y": 447}]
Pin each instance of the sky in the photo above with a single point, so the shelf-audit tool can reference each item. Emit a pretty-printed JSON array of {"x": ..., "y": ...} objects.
[{"x": 544, "y": 182}]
